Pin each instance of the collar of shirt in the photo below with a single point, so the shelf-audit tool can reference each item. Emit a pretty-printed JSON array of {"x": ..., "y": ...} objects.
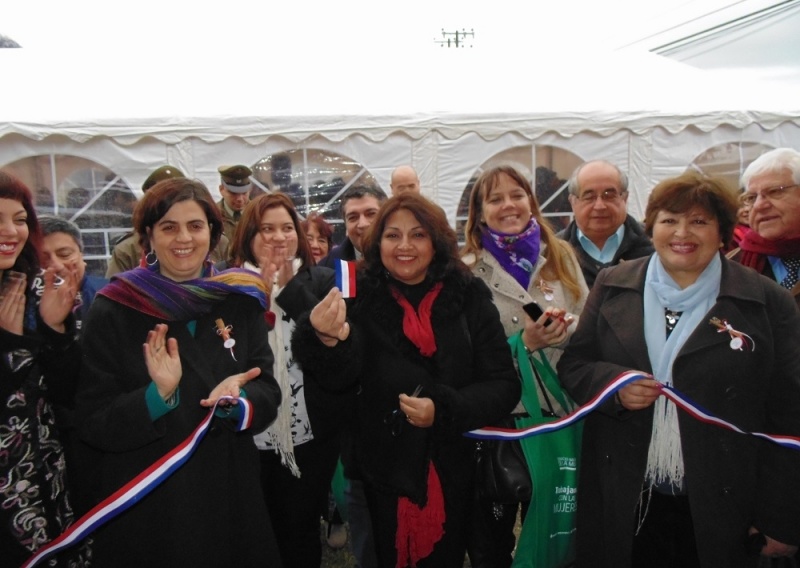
[
  {"x": 231, "y": 213},
  {"x": 778, "y": 268},
  {"x": 609, "y": 248}
]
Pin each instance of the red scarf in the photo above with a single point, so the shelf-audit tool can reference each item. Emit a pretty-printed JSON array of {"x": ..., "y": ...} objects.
[
  {"x": 420, "y": 528},
  {"x": 756, "y": 249},
  {"x": 418, "y": 328}
]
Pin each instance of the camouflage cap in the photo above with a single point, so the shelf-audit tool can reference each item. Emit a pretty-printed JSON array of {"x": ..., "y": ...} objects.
[
  {"x": 160, "y": 174},
  {"x": 236, "y": 178}
]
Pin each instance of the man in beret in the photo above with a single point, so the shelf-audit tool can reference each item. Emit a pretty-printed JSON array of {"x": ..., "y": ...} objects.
[
  {"x": 127, "y": 253},
  {"x": 235, "y": 188}
]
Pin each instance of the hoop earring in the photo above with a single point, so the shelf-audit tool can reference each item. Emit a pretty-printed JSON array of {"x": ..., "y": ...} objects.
[{"x": 150, "y": 258}]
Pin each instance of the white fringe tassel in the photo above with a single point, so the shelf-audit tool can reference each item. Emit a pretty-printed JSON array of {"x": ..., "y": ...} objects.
[{"x": 665, "y": 457}]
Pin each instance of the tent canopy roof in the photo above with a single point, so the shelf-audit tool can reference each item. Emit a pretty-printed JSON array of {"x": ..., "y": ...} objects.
[{"x": 372, "y": 80}]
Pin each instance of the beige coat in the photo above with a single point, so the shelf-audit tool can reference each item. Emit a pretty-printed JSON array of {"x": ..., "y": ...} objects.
[{"x": 509, "y": 296}]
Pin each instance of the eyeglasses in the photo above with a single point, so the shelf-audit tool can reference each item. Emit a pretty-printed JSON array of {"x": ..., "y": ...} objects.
[
  {"x": 772, "y": 194},
  {"x": 607, "y": 196}
]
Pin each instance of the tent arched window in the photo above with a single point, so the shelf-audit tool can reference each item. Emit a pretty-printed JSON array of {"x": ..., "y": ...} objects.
[
  {"x": 729, "y": 160},
  {"x": 314, "y": 179},
  {"x": 92, "y": 196},
  {"x": 552, "y": 167}
]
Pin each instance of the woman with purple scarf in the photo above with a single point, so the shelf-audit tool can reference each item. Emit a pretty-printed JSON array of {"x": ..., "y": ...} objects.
[
  {"x": 512, "y": 248},
  {"x": 161, "y": 346}
]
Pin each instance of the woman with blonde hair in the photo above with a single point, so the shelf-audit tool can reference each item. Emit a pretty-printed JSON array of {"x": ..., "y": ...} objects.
[{"x": 511, "y": 247}]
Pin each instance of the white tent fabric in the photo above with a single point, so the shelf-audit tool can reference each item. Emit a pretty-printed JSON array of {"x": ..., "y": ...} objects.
[{"x": 455, "y": 110}]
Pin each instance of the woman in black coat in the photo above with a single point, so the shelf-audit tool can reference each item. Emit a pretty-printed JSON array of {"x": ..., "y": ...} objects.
[
  {"x": 138, "y": 402},
  {"x": 658, "y": 487},
  {"x": 430, "y": 357}
]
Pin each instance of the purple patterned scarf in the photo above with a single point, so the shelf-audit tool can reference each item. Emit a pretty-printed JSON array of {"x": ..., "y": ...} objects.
[
  {"x": 517, "y": 254},
  {"x": 146, "y": 290}
]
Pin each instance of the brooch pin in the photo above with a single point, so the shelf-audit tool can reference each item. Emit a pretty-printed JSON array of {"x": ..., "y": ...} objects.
[
  {"x": 739, "y": 339},
  {"x": 224, "y": 331},
  {"x": 546, "y": 290}
]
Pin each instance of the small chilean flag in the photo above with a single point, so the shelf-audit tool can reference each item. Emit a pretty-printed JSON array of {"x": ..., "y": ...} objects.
[{"x": 346, "y": 278}]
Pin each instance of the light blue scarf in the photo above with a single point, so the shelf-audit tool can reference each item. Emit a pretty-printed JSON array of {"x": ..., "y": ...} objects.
[{"x": 665, "y": 459}]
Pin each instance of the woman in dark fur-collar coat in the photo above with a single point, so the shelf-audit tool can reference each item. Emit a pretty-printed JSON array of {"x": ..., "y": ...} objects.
[{"x": 420, "y": 321}]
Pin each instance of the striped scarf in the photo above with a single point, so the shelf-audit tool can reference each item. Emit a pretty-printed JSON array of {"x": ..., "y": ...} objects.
[{"x": 147, "y": 291}]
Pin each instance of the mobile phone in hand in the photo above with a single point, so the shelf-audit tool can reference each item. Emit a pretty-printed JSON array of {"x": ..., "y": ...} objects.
[{"x": 535, "y": 311}]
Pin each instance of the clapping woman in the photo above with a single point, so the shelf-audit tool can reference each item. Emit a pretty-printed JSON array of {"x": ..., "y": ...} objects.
[
  {"x": 659, "y": 488},
  {"x": 429, "y": 357},
  {"x": 298, "y": 452},
  {"x": 39, "y": 368},
  {"x": 162, "y": 345}
]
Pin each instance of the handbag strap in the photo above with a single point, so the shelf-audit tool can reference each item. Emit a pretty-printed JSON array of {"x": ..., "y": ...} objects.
[
  {"x": 545, "y": 381},
  {"x": 542, "y": 388}
]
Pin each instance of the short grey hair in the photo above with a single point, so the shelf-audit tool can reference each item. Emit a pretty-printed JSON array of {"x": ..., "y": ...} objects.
[
  {"x": 572, "y": 183},
  {"x": 773, "y": 162},
  {"x": 51, "y": 224}
]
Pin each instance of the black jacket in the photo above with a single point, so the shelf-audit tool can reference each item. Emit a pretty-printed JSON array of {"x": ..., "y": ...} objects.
[
  {"x": 328, "y": 407},
  {"x": 470, "y": 378},
  {"x": 343, "y": 251},
  {"x": 635, "y": 244}
]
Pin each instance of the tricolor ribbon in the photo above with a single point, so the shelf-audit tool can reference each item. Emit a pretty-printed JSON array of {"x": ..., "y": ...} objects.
[
  {"x": 346, "y": 278},
  {"x": 141, "y": 485},
  {"x": 492, "y": 433},
  {"x": 681, "y": 401}
]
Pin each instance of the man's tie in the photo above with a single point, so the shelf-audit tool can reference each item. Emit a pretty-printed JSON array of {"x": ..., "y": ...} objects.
[{"x": 792, "y": 266}]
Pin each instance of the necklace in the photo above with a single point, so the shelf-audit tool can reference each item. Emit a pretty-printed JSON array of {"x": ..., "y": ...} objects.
[{"x": 672, "y": 317}]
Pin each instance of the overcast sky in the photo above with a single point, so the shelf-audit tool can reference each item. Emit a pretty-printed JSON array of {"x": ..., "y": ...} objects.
[
  {"x": 314, "y": 48},
  {"x": 235, "y": 24}
]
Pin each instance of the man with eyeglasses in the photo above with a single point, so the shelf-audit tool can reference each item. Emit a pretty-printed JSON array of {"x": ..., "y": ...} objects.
[
  {"x": 772, "y": 190},
  {"x": 602, "y": 233}
]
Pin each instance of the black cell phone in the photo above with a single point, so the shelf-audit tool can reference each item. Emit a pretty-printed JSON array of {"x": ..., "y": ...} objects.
[{"x": 535, "y": 311}]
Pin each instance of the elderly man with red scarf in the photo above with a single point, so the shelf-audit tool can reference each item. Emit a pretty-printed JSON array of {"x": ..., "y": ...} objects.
[{"x": 772, "y": 189}]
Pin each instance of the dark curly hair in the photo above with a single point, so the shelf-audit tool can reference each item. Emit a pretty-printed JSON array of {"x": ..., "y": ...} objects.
[
  {"x": 28, "y": 260},
  {"x": 432, "y": 218},
  {"x": 163, "y": 195}
]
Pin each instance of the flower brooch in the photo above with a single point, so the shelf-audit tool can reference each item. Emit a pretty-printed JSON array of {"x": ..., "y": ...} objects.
[
  {"x": 739, "y": 339},
  {"x": 224, "y": 331}
]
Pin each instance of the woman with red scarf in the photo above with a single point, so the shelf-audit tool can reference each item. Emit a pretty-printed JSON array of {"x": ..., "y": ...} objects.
[{"x": 425, "y": 344}]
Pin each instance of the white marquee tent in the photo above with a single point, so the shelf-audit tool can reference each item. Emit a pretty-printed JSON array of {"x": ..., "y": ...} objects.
[{"x": 447, "y": 112}]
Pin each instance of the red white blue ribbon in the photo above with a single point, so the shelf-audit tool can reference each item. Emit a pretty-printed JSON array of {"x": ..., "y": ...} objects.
[
  {"x": 492, "y": 433},
  {"x": 681, "y": 401},
  {"x": 346, "y": 278},
  {"x": 699, "y": 413},
  {"x": 136, "y": 489}
]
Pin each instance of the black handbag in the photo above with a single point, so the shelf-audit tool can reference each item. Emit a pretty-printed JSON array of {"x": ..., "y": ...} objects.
[{"x": 502, "y": 473}]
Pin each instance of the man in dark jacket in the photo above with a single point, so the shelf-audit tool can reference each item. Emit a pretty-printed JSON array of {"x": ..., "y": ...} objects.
[
  {"x": 360, "y": 204},
  {"x": 602, "y": 233}
]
